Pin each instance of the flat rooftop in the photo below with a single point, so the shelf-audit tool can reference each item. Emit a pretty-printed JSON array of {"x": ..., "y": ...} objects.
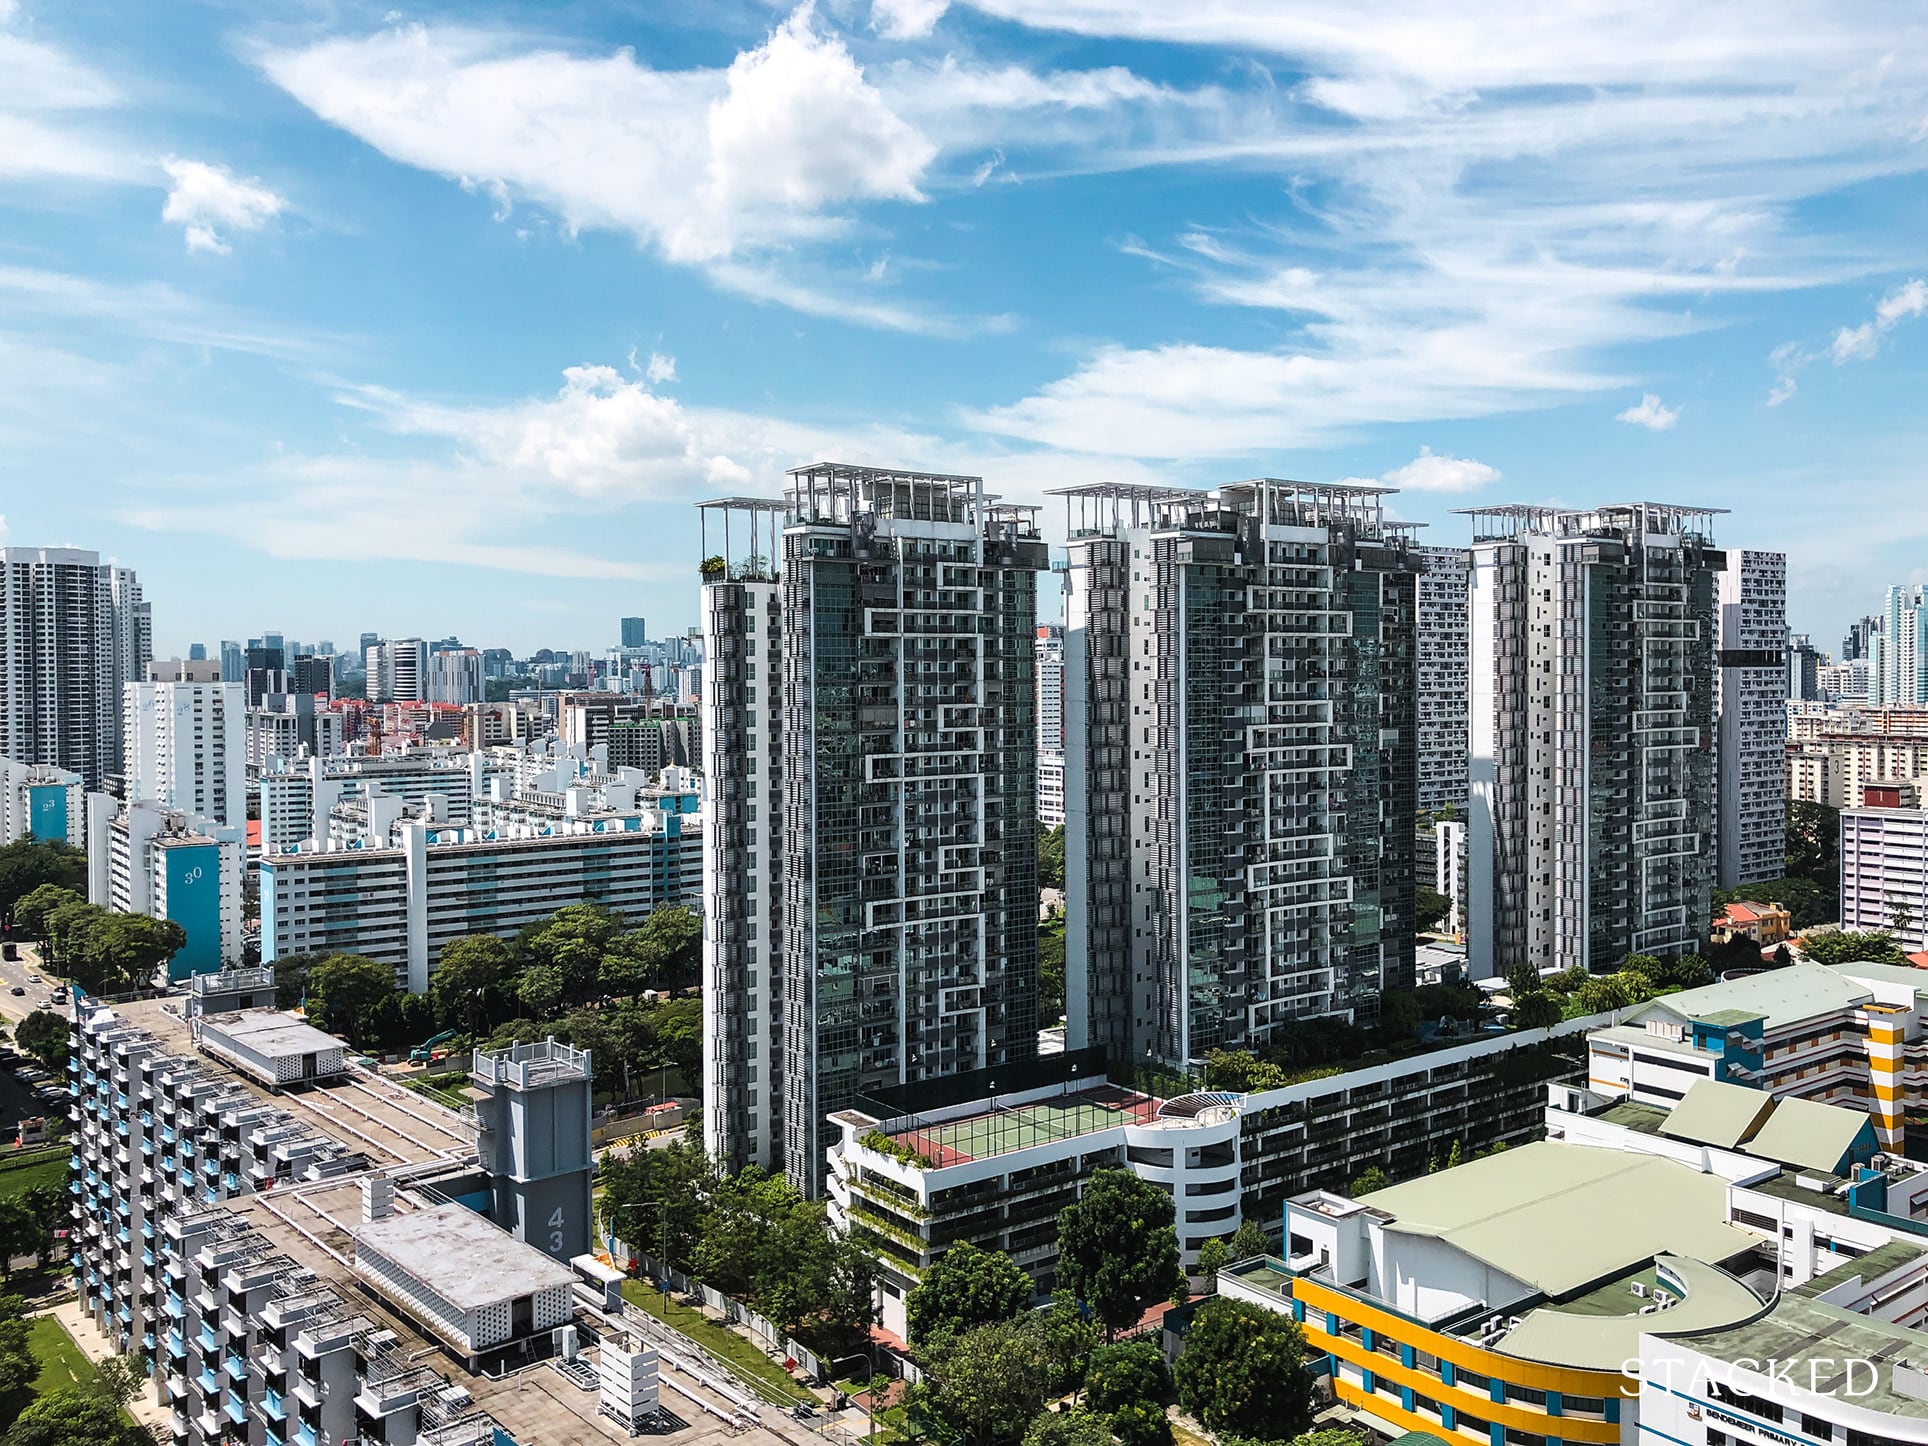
[
  {"x": 269, "y": 1032},
  {"x": 1562, "y": 1218},
  {"x": 467, "y": 1260},
  {"x": 1800, "y": 1330},
  {"x": 363, "y": 1111},
  {"x": 999, "y": 1129},
  {"x": 1779, "y": 997}
]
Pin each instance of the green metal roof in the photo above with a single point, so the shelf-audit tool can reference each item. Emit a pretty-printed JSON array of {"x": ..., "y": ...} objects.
[
  {"x": 1780, "y": 997},
  {"x": 1800, "y": 1330},
  {"x": 1603, "y": 1328},
  {"x": 1872, "y": 1266},
  {"x": 1718, "y": 1114},
  {"x": 1560, "y": 1218},
  {"x": 1808, "y": 1133}
]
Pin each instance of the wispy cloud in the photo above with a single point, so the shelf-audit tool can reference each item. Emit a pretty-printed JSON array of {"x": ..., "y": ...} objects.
[
  {"x": 1858, "y": 343},
  {"x": 1648, "y": 412},
  {"x": 209, "y": 202}
]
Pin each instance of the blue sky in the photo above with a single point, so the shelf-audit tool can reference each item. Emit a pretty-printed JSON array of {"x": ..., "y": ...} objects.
[{"x": 330, "y": 317}]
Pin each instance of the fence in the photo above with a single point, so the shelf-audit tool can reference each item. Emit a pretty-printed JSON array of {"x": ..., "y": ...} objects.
[{"x": 735, "y": 1312}]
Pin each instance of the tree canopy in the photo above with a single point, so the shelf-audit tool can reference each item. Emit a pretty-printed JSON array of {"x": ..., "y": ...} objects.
[
  {"x": 27, "y": 864},
  {"x": 988, "y": 1384},
  {"x": 45, "y": 1036},
  {"x": 345, "y": 995},
  {"x": 1850, "y": 946},
  {"x": 1117, "y": 1249},
  {"x": 966, "y": 1287},
  {"x": 1241, "y": 1371}
]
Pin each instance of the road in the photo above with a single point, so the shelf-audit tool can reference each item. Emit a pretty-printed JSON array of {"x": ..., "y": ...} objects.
[{"x": 16, "y": 974}]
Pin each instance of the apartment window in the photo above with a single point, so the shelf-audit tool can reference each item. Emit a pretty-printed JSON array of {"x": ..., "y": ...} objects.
[
  {"x": 1472, "y": 1381},
  {"x": 1815, "y": 1426},
  {"x": 1526, "y": 1396}
]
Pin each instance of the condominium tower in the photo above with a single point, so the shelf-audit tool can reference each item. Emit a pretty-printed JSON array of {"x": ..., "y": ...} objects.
[
  {"x": 869, "y": 730},
  {"x": 72, "y": 632},
  {"x": 1898, "y": 649},
  {"x": 1441, "y": 670},
  {"x": 1753, "y": 718},
  {"x": 1590, "y": 832},
  {"x": 1239, "y": 788}
]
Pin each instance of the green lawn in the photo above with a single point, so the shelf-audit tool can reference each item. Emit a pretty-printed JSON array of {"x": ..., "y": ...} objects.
[
  {"x": 717, "y": 1339},
  {"x": 21, "y": 1170},
  {"x": 61, "y": 1363}
]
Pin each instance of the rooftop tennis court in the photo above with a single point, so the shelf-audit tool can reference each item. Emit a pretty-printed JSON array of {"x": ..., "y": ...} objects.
[{"x": 999, "y": 1130}]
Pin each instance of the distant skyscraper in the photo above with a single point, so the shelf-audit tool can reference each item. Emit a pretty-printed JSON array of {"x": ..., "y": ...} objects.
[
  {"x": 455, "y": 676},
  {"x": 1590, "y": 833},
  {"x": 1898, "y": 650},
  {"x": 398, "y": 671},
  {"x": 72, "y": 632},
  {"x": 1441, "y": 665},
  {"x": 1050, "y": 687},
  {"x": 1240, "y": 764},
  {"x": 1803, "y": 677},
  {"x": 197, "y": 652},
  {"x": 267, "y": 672},
  {"x": 634, "y": 633},
  {"x": 870, "y": 880},
  {"x": 1854, "y": 646},
  {"x": 1754, "y": 668},
  {"x": 234, "y": 662},
  {"x": 312, "y": 675}
]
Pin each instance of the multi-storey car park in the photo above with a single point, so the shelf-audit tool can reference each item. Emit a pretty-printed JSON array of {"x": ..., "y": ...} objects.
[{"x": 301, "y": 1251}]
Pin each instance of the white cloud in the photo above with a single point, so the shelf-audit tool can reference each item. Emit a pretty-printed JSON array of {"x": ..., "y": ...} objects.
[
  {"x": 660, "y": 369},
  {"x": 207, "y": 200},
  {"x": 702, "y": 164},
  {"x": 906, "y": 19},
  {"x": 1470, "y": 228},
  {"x": 1858, "y": 343},
  {"x": 1649, "y": 413},
  {"x": 1434, "y": 471},
  {"x": 50, "y": 109}
]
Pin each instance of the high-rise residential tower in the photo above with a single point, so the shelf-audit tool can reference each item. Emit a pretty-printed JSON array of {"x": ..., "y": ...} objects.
[
  {"x": 187, "y": 747},
  {"x": 869, "y": 732},
  {"x": 635, "y": 632},
  {"x": 398, "y": 671},
  {"x": 1753, "y": 718},
  {"x": 1441, "y": 671},
  {"x": 1240, "y": 763},
  {"x": 1593, "y": 683},
  {"x": 1050, "y": 688},
  {"x": 73, "y": 632}
]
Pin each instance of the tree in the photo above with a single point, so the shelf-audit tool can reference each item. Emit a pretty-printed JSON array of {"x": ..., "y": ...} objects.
[
  {"x": 1649, "y": 967},
  {"x": 1117, "y": 1250},
  {"x": 344, "y": 993},
  {"x": 31, "y": 913},
  {"x": 1212, "y": 1258},
  {"x": 1068, "y": 1428},
  {"x": 1250, "y": 1240},
  {"x": 1521, "y": 979},
  {"x": 45, "y": 1036},
  {"x": 1851, "y": 946},
  {"x": 573, "y": 941},
  {"x": 539, "y": 990},
  {"x": 120, "y": 1379},
  {"x": 1430, "y": 907},
  {"x": 466, "y": 978},
  {"x": 1690, "y": 971},
  {"x": 1051, "y": 970},
  {"x": 1536, "y": 1009},
  {"x": 20, "y": 1233},
  {"x": 655, "y": 1199},
  {"x": 124, "y": 950},
  {"x": 74, "y": 1416},
  {"x": 1130, "y": 1371},
  {"x": 988, "y": 1383},
  {"x": 291, "y": 973},
  {"x": 1242, "y": 1371},
  {"x": 1373, "y": 1177},
  {"x": 966, "y": 1287},
  {"x": 1814, "y": 843},
  {"x": 1068, "y": 1340},
  {"x": 18, "y": 1368},
  {"x": 30, "y": 863},
  {"x": 1051, "y": 857},
  {"x": 1141, "y": 1423}
]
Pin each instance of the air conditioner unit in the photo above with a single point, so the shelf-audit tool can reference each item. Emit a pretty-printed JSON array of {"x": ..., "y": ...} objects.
[
  {"x": 1639, "y": 1287},
  {"x": 1648, "y": 1309}
]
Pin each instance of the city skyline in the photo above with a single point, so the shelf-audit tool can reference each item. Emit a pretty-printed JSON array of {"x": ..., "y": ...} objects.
[{"x": 269, "y": 324}]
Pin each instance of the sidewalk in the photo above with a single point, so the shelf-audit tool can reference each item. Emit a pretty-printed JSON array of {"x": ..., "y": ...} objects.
[{"x": 96, "y": 1347}]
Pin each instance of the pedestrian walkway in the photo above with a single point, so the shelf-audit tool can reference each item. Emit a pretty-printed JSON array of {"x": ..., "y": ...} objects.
[{"x": 96, "y": 1347}]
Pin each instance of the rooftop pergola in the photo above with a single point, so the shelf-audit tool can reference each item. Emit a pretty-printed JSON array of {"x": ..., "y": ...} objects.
[{"x": 1509, "y": 521}]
